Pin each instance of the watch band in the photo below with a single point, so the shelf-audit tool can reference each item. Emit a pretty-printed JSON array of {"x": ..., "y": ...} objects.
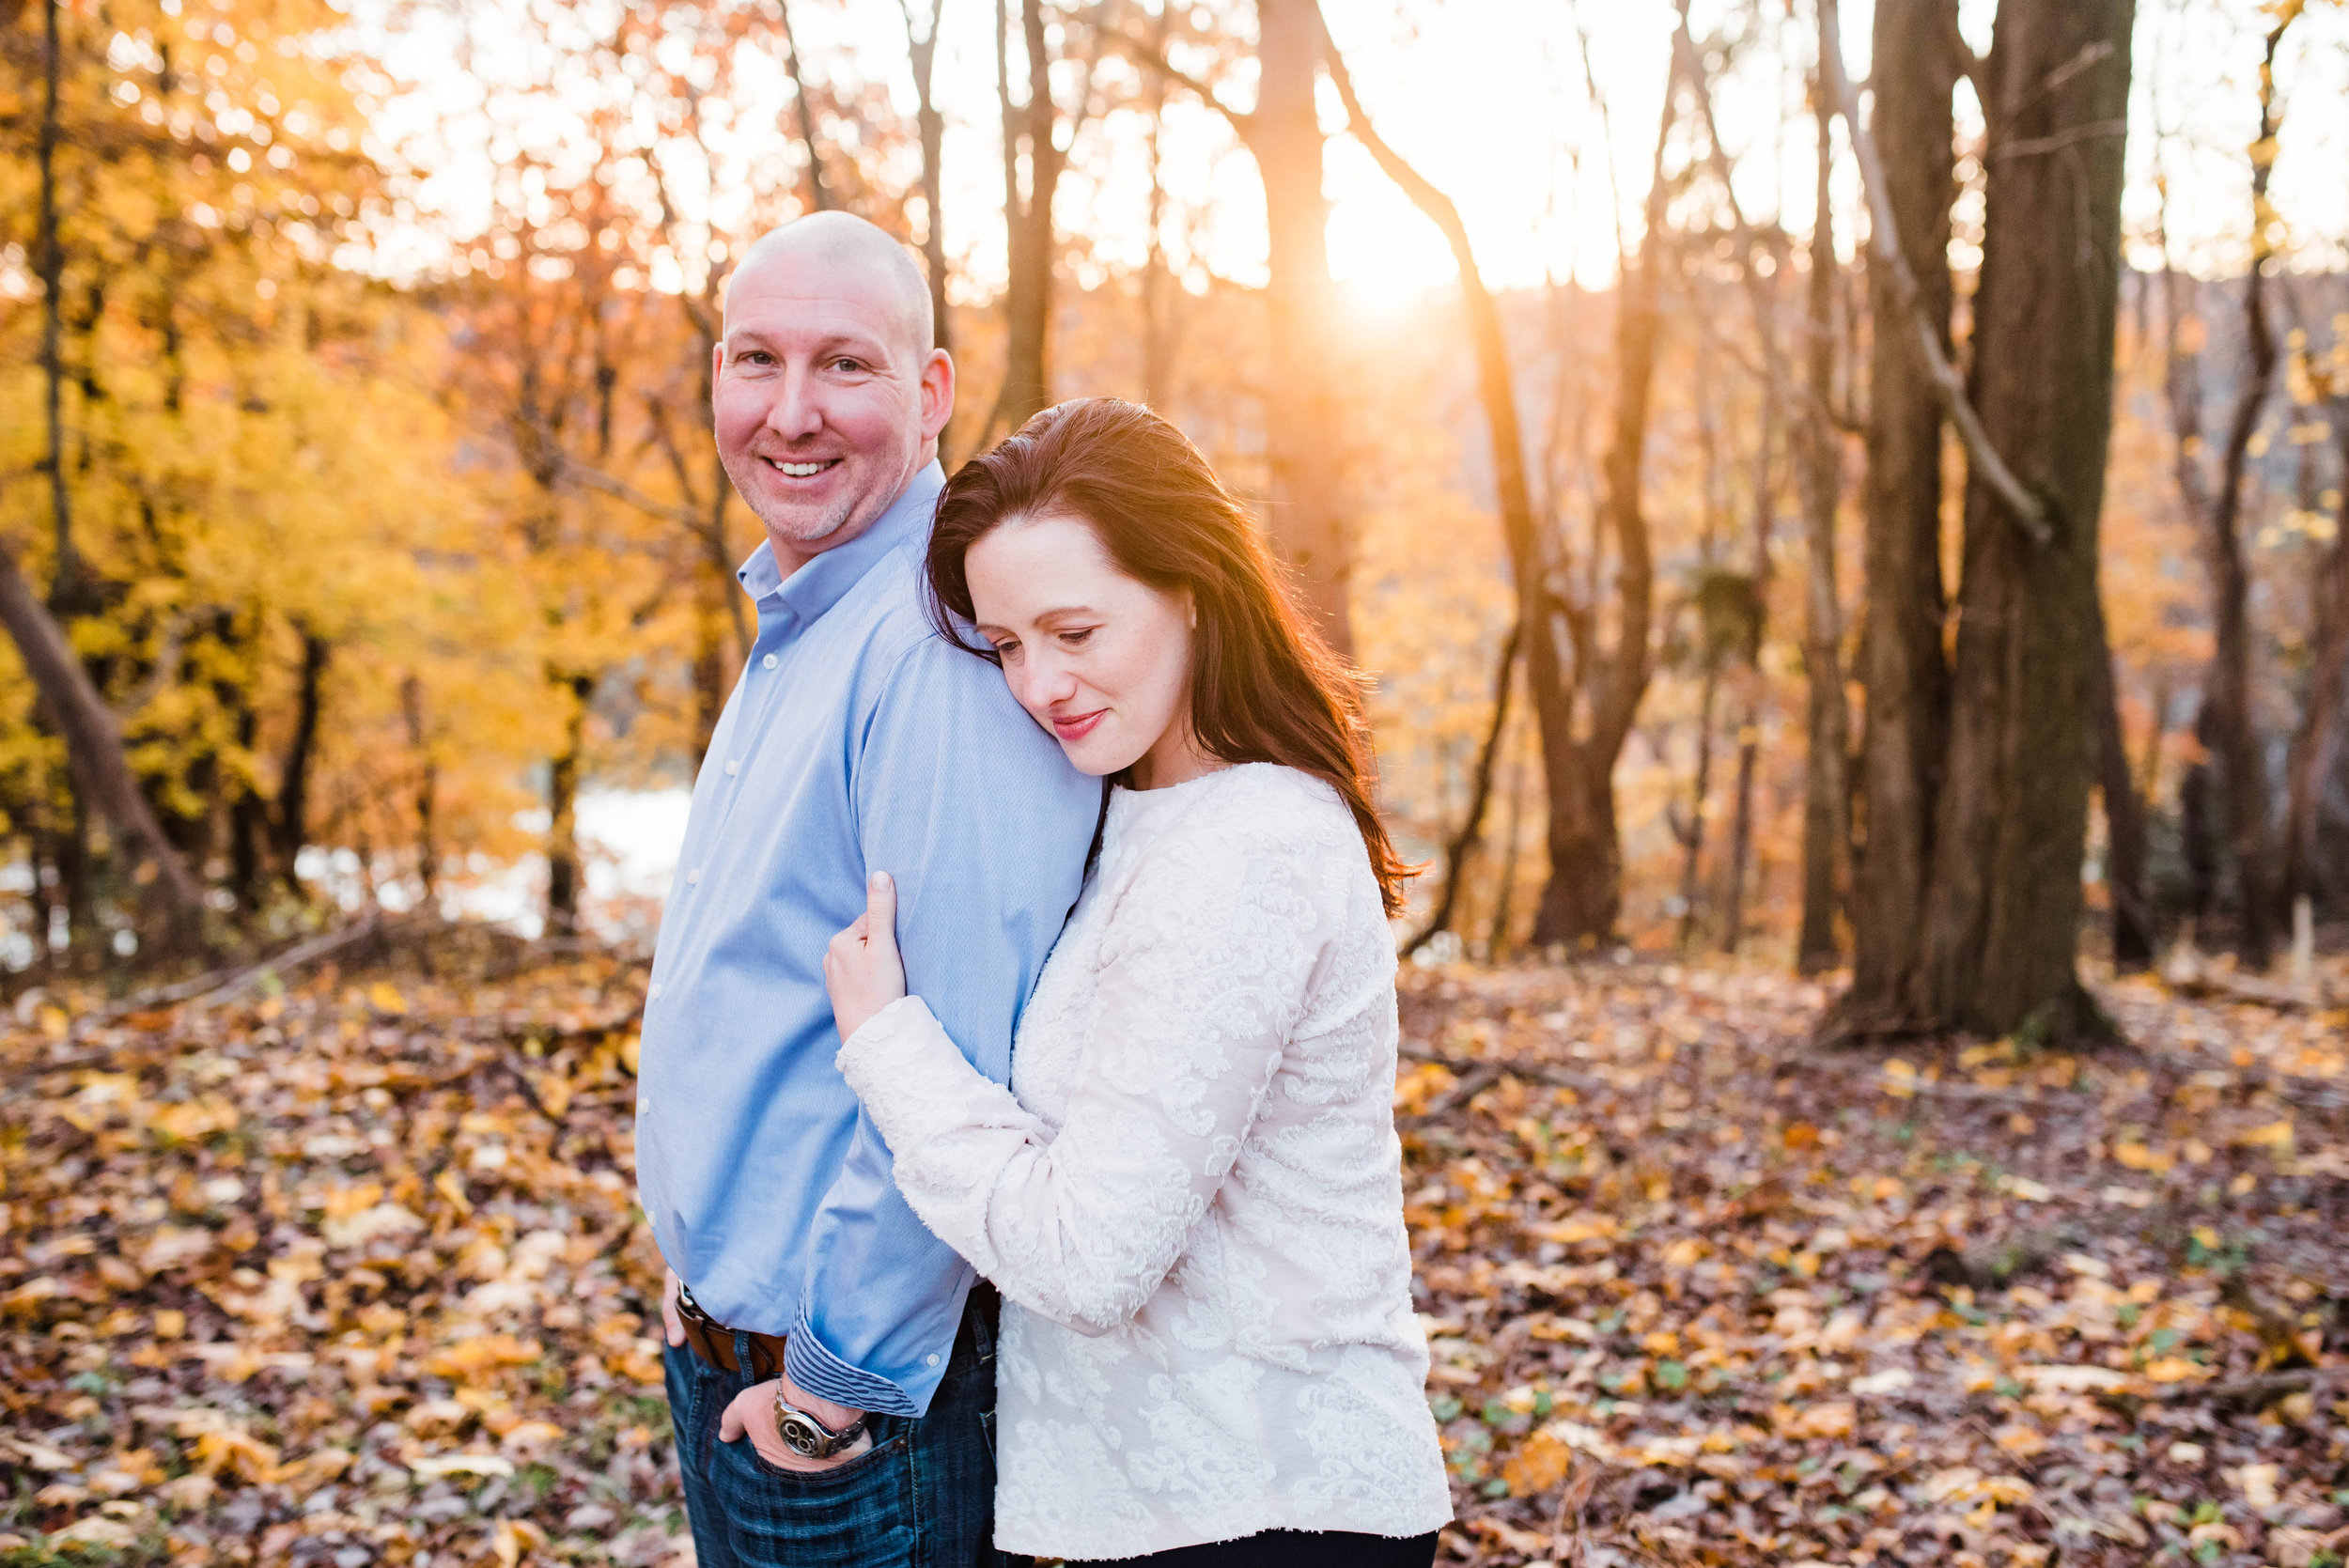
[{"x": 809, "y": 1437}]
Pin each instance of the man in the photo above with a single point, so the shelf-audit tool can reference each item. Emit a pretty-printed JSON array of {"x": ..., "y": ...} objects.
[{"x": 832, "y": 1389}]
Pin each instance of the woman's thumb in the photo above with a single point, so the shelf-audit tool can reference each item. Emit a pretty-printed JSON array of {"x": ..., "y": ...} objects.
[{"x": 880, "y": 907}]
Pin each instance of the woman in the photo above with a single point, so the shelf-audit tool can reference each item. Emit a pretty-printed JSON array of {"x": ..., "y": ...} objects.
[{"x": 1193, "y": 1207}]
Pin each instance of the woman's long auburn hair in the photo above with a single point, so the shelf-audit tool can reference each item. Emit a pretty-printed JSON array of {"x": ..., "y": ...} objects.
[{"x": 1264, "y": 686}]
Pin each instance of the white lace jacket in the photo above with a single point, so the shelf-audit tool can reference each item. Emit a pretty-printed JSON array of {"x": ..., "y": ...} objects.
[{"x": 1195, "y": 1206}]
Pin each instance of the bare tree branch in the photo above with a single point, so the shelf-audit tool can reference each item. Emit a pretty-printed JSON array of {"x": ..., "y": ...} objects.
[
  {"x": 588, "y": 477},
  {"x": 1472, "y": 827},
  {"x": 2029, "y": 509},
  {"x": 1151, "y": 58}
]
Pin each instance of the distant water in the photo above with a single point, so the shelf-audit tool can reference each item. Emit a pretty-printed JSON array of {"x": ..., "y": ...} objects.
[{"x": 630, "y": 839}]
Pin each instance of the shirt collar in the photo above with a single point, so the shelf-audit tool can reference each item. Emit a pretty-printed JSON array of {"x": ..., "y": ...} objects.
[{"x": 817, "y": 586}]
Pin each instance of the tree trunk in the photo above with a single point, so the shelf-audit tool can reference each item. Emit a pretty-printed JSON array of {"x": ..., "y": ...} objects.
[
  {"x": 2230, "y": 688},
  {"x": 1028, "y": 225},
  {"x": 1700, "y": 788},
  {"x": 248, "y": 823},
  {"x": 1818, "y": 455},
  {"x": 428, "y": 788},
  {"x": 77, "y": 876},
  {"x": 1158, "y": 280},
  {"x": 1496, "y": 390},
  {"x": 94, "y": 742},
  {"x": 2003, "y": 911},
  {"x": 1304, "y": 430},
  {"x": 51, "y": 266},
  {"x": 932, "y": 127},
  {"x": 289, "y": 825},
  {"x": 1755, "y": 690},
  {"x": 710, "y": 677},
  {"x": 1733, "y": 929},
  {"x": 1497, "y": 946},
  {"x": 819, "y": 197},
  {"x": 1902, "y": 666},
  {"x": 2124, "y": 818},
  {"x": 565, "y": 878},
  {"x": 1584, "y": 894},
  {"x": 2197, "y": 824},
  {"x": 1817, "y": 467},
  {"x": 2318, "y": 738}
]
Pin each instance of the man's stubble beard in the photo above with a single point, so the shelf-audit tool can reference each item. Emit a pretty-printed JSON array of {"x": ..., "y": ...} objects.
[{"x": 787, "y": 527}]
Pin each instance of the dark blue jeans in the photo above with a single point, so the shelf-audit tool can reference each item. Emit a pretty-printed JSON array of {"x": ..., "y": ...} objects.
[{"x": 921, "y": 1497}]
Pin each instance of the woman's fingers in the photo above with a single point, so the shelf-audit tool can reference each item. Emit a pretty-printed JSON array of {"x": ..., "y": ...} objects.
[{"x": 880, "y": 910}]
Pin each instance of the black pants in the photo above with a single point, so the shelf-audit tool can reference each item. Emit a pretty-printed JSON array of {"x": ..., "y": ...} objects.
[{"x": 1302, "y": 1549}]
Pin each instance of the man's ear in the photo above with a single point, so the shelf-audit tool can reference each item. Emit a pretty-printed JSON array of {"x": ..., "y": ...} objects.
[{"x": 937, "y": 393}]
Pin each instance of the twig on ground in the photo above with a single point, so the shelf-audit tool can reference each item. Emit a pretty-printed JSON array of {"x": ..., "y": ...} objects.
[
  {"x": 292, "y": 958},
  {"x": 216, "y": 985},
  {"x": 2261, "y": 1389}
]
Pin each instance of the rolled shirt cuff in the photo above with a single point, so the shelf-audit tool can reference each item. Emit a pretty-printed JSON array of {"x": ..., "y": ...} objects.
[
  {"x": 813, "y": 1367},
  {"x": 811, "y": 1362}
]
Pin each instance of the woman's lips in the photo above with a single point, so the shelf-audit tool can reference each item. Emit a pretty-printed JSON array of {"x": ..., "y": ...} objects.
[{"x": 1080, "y": 726}]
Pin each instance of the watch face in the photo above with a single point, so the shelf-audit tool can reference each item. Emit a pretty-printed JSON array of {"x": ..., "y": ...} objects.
[{"x": 802, "y": 1435}]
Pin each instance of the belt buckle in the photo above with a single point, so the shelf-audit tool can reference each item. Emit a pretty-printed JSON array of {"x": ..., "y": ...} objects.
[{"x": 690, "y": 1310}]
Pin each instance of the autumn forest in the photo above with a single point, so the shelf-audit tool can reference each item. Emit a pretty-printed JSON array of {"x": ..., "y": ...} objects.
[{"x": 1840, "y": 510}]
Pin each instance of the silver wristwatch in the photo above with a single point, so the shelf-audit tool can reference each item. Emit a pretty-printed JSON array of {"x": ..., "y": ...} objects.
[{"x": 809, "y": 1437}]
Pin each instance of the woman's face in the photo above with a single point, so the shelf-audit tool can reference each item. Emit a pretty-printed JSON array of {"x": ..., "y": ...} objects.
[{"x": 1100, "y": 658}]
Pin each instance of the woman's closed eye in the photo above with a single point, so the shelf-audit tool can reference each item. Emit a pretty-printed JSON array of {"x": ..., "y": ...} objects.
[{"x": 1076, "y": 637}]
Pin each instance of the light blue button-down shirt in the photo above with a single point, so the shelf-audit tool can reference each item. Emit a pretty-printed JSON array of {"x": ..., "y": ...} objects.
[{"x": 857, "y": 740}]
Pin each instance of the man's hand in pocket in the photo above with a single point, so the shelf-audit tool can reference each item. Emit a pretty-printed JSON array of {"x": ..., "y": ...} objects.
[
  {"x": 752, "y": 1413},
  {"x": 671, "y": 1323}
]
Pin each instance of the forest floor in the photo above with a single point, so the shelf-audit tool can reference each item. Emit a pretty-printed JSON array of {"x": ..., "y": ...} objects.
[{"x": 347, "y": 1270}]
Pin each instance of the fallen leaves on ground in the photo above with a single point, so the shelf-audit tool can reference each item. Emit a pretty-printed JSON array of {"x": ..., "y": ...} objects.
[
  {"x": 350, "y": 1272},
  {"x": 1698, "y": 1291},
  {"x": 347, "y": 1274}
]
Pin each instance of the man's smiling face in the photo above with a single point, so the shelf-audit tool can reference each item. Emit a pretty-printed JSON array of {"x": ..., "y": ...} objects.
[{"x": 827, "y": 397}]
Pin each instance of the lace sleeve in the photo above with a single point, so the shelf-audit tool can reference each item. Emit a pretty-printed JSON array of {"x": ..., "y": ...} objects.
[{"x": 1205, "y": 967}]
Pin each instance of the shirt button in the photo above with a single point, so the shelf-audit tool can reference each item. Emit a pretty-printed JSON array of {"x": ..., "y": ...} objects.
[
  {"x": 653, "y": 995},
  {"x": 933, "y": 1358},
  {"x": 734, "y": 766},
  {"x": 769, "y": 662},
  {"x": 693, "y": 876}
]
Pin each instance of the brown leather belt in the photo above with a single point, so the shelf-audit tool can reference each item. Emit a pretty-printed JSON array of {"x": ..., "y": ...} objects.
[{"x": 713, "y": 1341}]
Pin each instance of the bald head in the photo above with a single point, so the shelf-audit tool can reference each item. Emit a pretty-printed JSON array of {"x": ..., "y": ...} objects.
[
  {"x": 843, "y": 239},
  {"x": 827, "y": 395}
]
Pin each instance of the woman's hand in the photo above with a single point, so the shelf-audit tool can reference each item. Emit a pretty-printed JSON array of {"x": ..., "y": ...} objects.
[{"x": 862, "y": 971}]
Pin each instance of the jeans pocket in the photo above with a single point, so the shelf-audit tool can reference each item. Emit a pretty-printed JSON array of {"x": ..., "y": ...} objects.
[
  {"x": 684, "y": 1377},
  {"x": 834, "y": 1475},
  {"x": 861, "y": 1513}
]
